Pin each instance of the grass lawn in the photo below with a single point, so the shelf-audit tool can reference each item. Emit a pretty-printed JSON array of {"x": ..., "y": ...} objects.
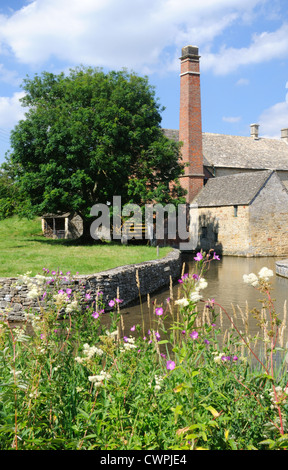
[{"x": 23, "y": 248}]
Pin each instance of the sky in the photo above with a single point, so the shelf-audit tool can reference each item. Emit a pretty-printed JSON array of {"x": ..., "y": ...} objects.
[{"x": 243, "y": 46}]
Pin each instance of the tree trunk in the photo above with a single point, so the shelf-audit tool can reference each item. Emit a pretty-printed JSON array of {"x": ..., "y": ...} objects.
[{"x": 85, "y": 238}]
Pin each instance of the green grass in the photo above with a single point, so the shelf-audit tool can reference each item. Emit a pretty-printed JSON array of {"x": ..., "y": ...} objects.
[{"x": 23, "y": 248}]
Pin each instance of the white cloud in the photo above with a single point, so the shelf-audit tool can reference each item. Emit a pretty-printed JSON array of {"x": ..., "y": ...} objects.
[
  {"x": 242, "y": 82},
  {"x": 11, "y": 110},
  {"x": 114, "y": 33},
  {"x": 275, "y": 118},
  {"x": 264, "y": 47},
  {"x": 231, "y": 119}
]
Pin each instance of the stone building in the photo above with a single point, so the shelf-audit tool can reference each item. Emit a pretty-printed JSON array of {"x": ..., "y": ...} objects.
[
  {"x": 244, "y": 214},
  {"x": 67, "y": 225},
  {"x": 239, "y": 183}
]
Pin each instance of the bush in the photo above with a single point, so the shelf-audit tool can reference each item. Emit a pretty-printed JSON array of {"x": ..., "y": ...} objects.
[{"x": 72, "y": 379}]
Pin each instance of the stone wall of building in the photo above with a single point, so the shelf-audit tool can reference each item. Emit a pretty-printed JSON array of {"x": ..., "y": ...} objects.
[
  {"x": 121, "y": 281},
  {"x": 269, "y": 220},
  {"x": 225, "y": 229}
]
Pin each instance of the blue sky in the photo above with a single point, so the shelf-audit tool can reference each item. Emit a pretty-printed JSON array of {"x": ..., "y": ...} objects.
[{"x": 243, "y": 46}]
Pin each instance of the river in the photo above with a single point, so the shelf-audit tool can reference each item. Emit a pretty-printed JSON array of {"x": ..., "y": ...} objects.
[{"x": 225, "y": 285}]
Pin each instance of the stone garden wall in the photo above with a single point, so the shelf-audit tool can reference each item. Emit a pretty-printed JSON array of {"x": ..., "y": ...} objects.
[{"x": 121, "y": 281}]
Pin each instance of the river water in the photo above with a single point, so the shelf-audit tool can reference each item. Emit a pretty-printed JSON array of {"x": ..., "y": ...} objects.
[{"x": 225, "y": 285}]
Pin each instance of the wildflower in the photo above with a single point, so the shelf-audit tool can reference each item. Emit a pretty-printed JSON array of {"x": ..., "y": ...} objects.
[
  {"x": 72, "y": 306},
  {"x": 133, "y": 328},
  {"x": 182, "y": 302},
  {"x": 183, "y": 278},
  {"x": 265, "y": 273},
  {"x": 195, "y": 296},
  {"x": 68, "y": 291},
  {"x": 159, "y": 311},
  {"x": 158, "y": 381},
  {"x": 198, "y": 257},
  {"x": 87, "y": 296},
  {"x": 90, "y": 351},
  {"x": 98, "y": 379},
  {"x": 95, "y": 314},
  {"x": 206, "y": 341},
  {"x": 170, "y": 365},
  {"x": 216, "y": 257},
  {"x": 112, "y": 334},
  {"x": 33, "y": 293},
  {"x": 129, "y": 343},
  {"x": 118, "y": 301},
  {"x": 111, "y": 303},
  {"x": 194, "y": 335},
  {"x": 195, "y": 276},
  {"x": 157, "y": 335},
  {"x": 201, "y": 284},
  {"x": 251, "y": 279}
]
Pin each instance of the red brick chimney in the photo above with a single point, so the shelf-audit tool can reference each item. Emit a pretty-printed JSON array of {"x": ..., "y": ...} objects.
[{"x": 190, "y": 125}]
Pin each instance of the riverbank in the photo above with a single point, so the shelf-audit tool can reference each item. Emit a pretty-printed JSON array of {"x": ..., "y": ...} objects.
[
  {"x": 125, "y": 282},
  {"x": 282, "y": 268}
]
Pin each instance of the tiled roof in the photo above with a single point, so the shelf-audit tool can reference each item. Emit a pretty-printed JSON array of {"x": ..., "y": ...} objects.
[
  {"x": 232, "y": 190},
  {"x": 241, "y": 152}
]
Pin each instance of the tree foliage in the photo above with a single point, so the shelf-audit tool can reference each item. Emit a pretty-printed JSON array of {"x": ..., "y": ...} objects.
[{"x": 88, "y": 136}]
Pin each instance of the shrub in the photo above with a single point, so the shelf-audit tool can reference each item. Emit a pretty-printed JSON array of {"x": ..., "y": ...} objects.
[{"x": 72, "y": 378}]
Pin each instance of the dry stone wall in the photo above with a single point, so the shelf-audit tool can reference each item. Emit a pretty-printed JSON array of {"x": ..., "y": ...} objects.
[{"x": 121, "y": 281}]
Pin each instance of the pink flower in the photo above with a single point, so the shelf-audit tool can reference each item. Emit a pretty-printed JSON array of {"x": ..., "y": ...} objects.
[
  {"x": 159, "y": 311},
  {"x": 133, "y": 328},
  {"x": 194, "y": 335},
  {"x": 216, "y": 257},
  {"x": 118, "y": 301},
  {"x": 170, "y": 365},
  {"x": 111, "y": 303},
  {"x": 68, "y": 291},
  {"x": 87, "y": 296},
  {"x": 95, "y": 314},
  {"x": 199, "y": 257}
]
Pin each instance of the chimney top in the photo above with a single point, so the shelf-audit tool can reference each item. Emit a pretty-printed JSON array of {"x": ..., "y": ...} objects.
[
  {"x": 190, "y": 51},
  {"x": 254, "y": 131},
  {"x": 284, "y": 134}
]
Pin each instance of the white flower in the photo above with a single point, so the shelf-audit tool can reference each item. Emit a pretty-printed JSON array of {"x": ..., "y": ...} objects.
[
  {"x": 98, "y": 379},
  {"x": 182, "y": 302},
  {"x": 195, "y": 296},
  {"x": 251, "y": 279},
  {"x": 33, "y": 293},
  {"x": 201, "y": 284},
  {"x": 90, "y": 351},
  {"x": 265, "y": 273},
  {"x": 72, "y": 306}
]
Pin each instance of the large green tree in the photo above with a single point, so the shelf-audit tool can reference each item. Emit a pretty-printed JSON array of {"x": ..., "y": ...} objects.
[{"x": 90, "y": 135}]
